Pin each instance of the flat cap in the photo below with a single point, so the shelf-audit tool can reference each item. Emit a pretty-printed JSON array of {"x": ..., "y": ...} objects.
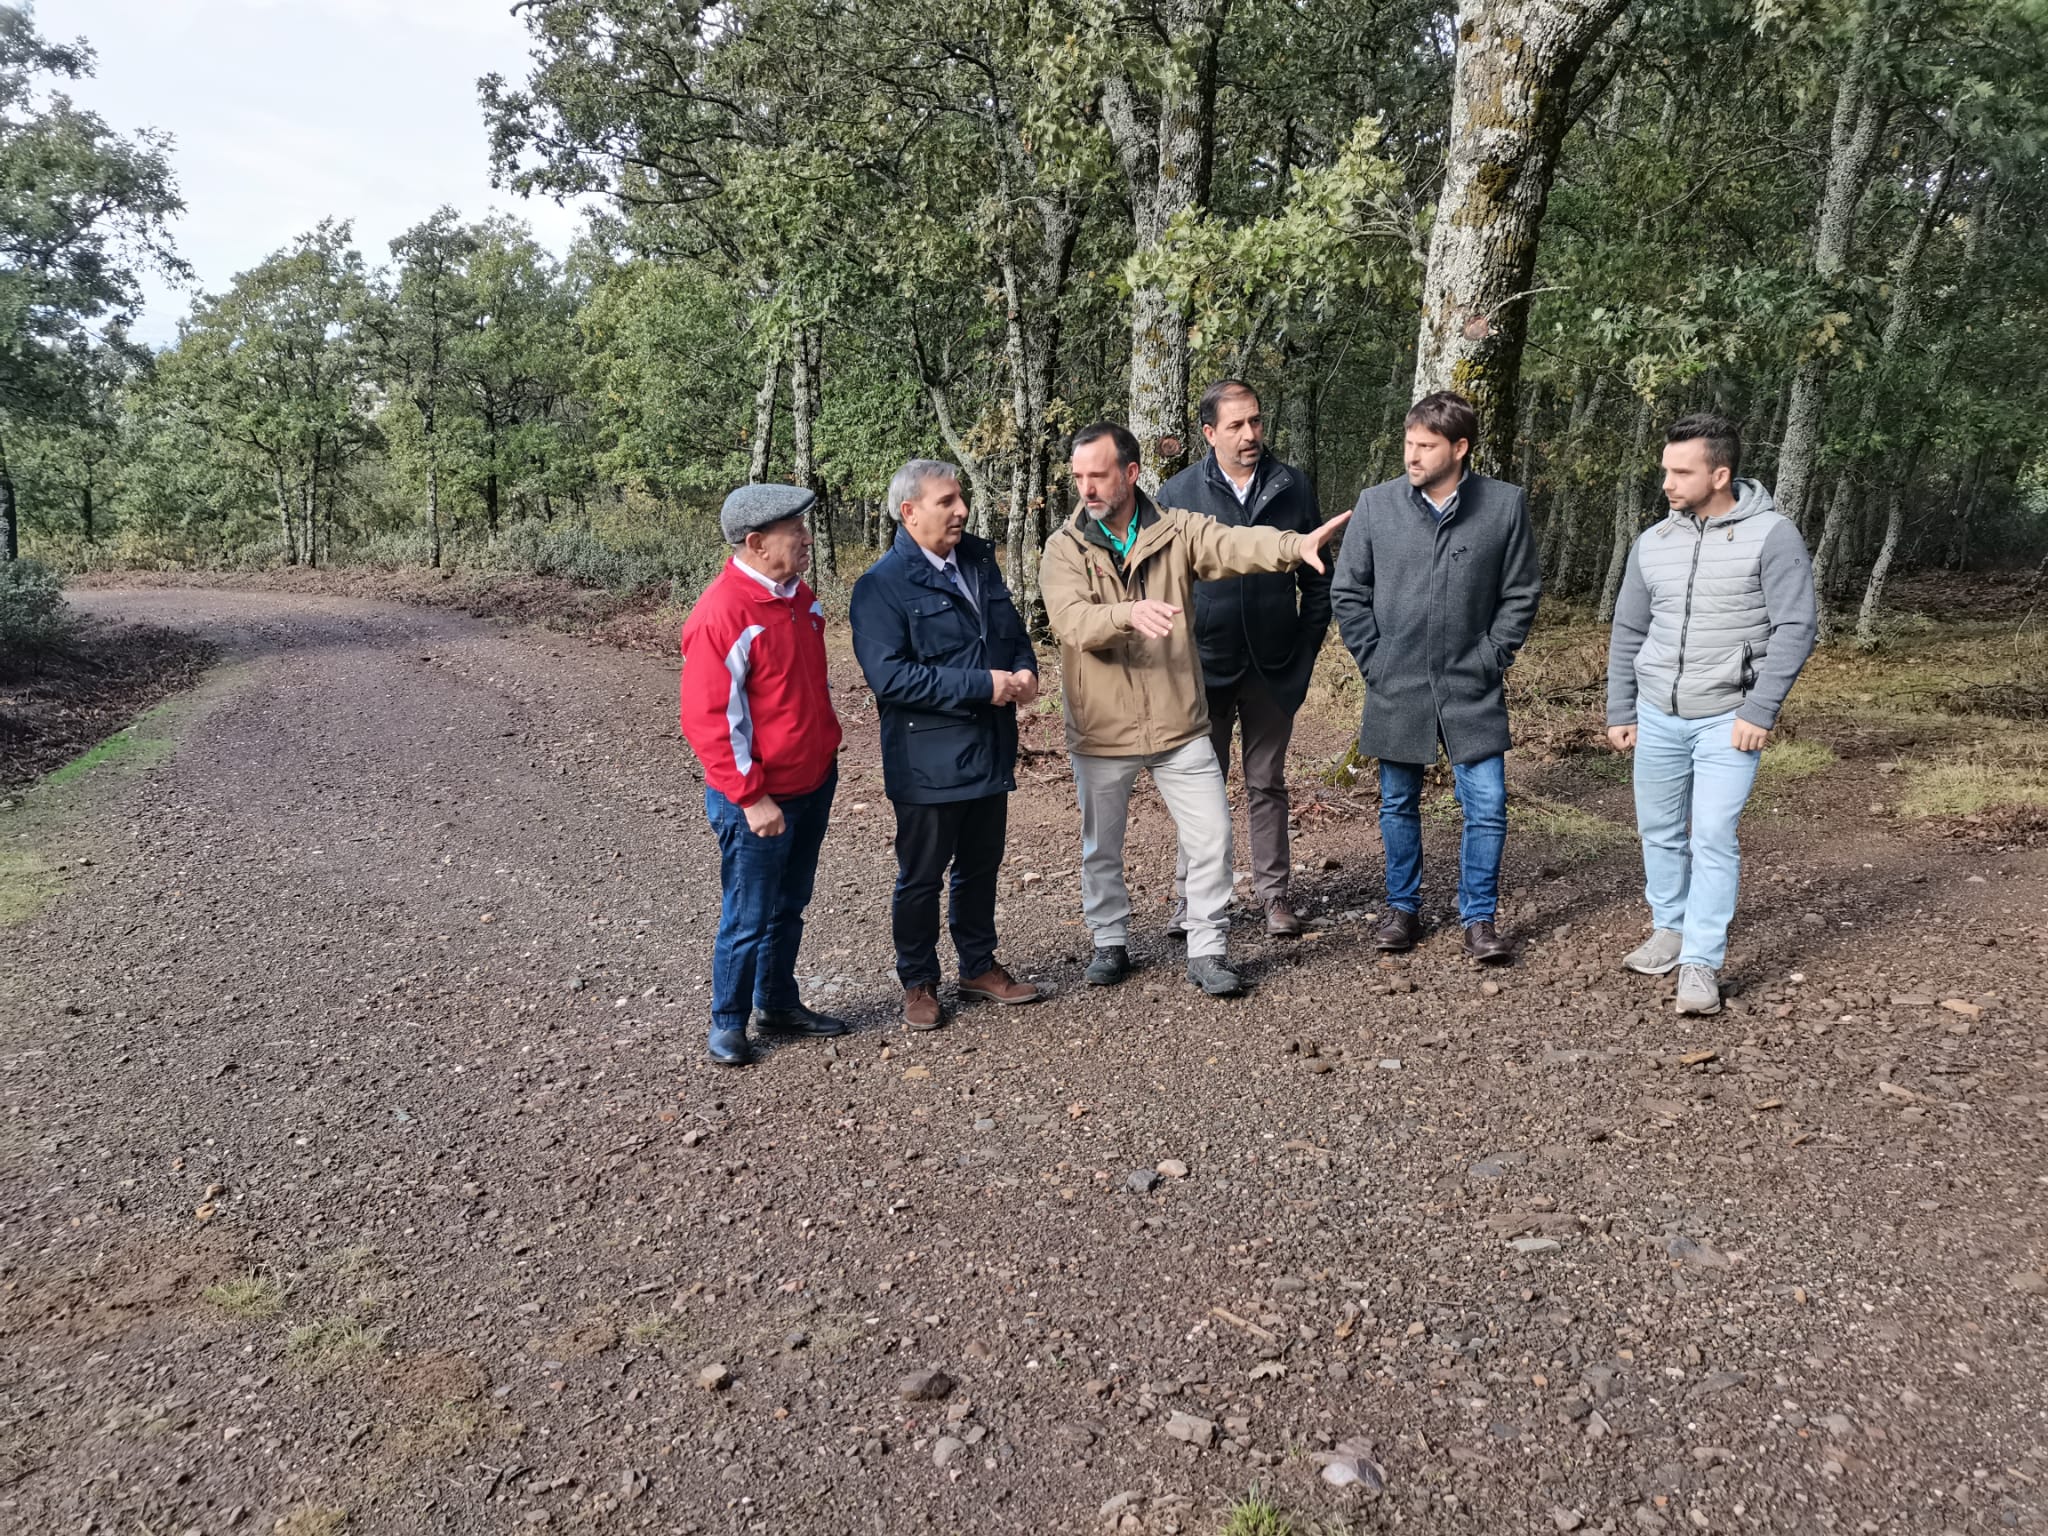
[{"x": 756, "y": 506}]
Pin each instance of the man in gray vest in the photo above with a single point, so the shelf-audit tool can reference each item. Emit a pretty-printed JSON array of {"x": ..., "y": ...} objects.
[{"x": 1715, "y": 618}]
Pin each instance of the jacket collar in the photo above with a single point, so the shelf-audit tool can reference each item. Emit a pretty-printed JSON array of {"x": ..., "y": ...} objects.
[
  {"x": 1146, "y": 514},
  {"x": 1268, "y": 480},
  {"x": 755, "y": 587},
  {"x": 970, "y": 551}
]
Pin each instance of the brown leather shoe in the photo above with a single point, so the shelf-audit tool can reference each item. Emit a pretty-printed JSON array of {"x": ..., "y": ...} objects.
[
  {"x": 921, "y": 1009},
  {"x": 1282, "y": 921},
  {"x": 1486, "y": 946},
  {"x": 998, "y": 986},
  {"x": 1398, "y": 931}
]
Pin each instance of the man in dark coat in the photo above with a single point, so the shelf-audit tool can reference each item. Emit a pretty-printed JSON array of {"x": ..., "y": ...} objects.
[
  {"x": 1435, "y": 589},
  {"x": 944, "y": 650},
  {"x": 1258, "y": 635}
]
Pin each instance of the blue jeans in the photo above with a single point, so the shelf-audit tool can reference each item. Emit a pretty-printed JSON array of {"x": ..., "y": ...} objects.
[
  {"x": 1482, "y": 789},
  {"x": 1690, "y": 769},
  {"x": 767, "y": 883}
]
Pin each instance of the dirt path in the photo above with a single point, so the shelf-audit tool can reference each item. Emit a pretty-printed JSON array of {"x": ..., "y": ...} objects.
[{"x": 377, "y": 1010}]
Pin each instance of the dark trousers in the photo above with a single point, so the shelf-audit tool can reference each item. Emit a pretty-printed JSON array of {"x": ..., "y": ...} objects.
[
  {"x": 968, "y": 835},
  {"x": 1267, "y": 729},
  {"x": 767, "y": 883}
]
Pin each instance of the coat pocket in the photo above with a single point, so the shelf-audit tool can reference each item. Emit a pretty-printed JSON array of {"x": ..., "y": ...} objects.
[
  {"x": 942, "y": 629},
  {"x": 948, "y": 754}
]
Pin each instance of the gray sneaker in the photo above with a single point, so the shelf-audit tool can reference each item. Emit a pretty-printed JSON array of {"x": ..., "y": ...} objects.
[
  {"x": 1212, "y": 973},
  {"x": 1656, "y": 956},
  {"x": 1699, "y": 989}
]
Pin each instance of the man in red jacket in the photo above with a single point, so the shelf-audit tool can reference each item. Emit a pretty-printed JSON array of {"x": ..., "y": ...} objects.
[{"x": 758, "y": 712}]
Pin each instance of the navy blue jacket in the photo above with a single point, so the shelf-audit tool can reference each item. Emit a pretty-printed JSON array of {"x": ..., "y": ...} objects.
[
  {"x": 1270, "y": 623},
  {"x": 927, "y": 654}
]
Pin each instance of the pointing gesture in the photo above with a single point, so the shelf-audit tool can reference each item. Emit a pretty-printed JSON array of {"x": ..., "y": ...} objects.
[{"x": 1311, "y": 549}]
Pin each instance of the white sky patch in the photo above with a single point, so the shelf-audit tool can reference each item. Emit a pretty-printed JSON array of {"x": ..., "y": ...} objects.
[{"x": 285, "y": 112}]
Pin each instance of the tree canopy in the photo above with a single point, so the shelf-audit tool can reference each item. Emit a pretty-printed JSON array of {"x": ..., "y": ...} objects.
[{"x": 840, "y": 234}]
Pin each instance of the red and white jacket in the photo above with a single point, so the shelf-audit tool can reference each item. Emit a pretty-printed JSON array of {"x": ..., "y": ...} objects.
[{"x": 756, "y": 706}]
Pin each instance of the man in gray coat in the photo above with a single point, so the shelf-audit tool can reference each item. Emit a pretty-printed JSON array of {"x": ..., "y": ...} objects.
[
  {"x": 1435, "y": 589},
  {"x": 1715, "y": 618}
]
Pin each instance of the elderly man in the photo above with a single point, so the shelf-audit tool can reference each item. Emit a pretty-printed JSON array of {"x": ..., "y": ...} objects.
[
  {"x": 1117, "y": 579},
  {"x": 757, "y": 710},
  {"x": 1434, "y": 593},
  {"x": 944, "y": 650},
  {"x": 1258, "y": 635}
]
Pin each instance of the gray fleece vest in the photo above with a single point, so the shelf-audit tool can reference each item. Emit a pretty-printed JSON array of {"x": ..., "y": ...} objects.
[{"x": 1709, "y": 626}]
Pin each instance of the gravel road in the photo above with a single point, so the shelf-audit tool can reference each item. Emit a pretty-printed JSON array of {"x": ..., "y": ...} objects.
[{"x": 359, "y": 1170}]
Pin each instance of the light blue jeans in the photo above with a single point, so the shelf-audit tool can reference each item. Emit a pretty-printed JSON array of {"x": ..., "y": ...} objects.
[{"x": 1690, "y": 770}]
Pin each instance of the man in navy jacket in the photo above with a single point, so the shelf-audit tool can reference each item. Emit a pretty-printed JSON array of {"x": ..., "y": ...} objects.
[
  {"x": 1259, "y": 635},
  {"x": 944, "y": 650}
]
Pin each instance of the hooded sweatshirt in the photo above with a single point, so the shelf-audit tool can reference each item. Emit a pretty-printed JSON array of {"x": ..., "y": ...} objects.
[{"x": 1715, "y": 614}]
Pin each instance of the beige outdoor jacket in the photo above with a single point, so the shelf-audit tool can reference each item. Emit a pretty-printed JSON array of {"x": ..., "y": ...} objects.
[{"x": 1125, "y": 695}]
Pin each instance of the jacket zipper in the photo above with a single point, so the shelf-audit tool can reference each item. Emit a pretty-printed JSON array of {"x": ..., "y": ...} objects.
[{"x": 1685, "y": 624}]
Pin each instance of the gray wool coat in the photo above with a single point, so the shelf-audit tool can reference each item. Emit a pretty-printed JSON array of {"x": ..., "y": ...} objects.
[{"x": 1433, "y": 614}]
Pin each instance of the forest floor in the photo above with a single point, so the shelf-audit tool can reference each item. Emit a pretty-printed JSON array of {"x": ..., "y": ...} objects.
[{"x": 360, "y": 1170}]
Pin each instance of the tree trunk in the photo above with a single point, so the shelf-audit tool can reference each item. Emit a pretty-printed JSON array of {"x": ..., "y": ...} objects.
[
  {"x": 1859, "y": 119},
  {"x": 1510, "y": 107},
  {"x": 1574, "y": 515},
  {"x": 764, "y": 422},
  {"x": 803, "y": 398},
  {"x": 10, "y": 514},
  {"x": 85, "y": 510},
  {"x": 1627, "y": 510},
  {"x": 1165, "y": 149},
  {"x": 284, "y": 512}
]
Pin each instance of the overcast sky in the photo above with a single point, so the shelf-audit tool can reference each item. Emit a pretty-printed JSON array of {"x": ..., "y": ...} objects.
[{"x": 287, "y": 111}]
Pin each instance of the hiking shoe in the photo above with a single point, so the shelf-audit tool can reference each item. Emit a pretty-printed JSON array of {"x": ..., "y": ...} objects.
[
  {"x": 799, "y": 1021},
  {"x": 730, "y": 1047},
  {"x": 1656, "y": 955},
  {"x": 1282, "y": 921},
  {"x": 997, "y": 985},
  {"x": 1484, "y": 943},
  {"x": 1112, "y": 963},
  {"x": 921, "y": 1010},
  {"x": 1397, "y": 931},
  {"x": 1177, "y": 924},
  {"x": 1212, "y": 973},
  {"x": 1699, "y": 989}
]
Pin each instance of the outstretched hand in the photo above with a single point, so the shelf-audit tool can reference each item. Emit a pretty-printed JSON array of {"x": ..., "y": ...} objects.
[
  {"x": 1153, "y": 620},
  {"x": 1312, "y": 543}
]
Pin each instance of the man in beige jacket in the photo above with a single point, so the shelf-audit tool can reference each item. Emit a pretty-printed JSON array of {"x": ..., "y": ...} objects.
[{"x": 1117, "y": 580}]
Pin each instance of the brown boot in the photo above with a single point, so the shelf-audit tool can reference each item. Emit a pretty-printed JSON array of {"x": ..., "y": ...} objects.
[
  {"x": 997, "y": 985},
  {"x": 921, "y": 1009},
  {"x": 1486, "y": 946},
  {"x": 1398, "y": 931},
  {"x": 1282, "y": 921}
]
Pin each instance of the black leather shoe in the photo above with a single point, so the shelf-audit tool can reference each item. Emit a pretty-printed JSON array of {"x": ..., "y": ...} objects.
[
  {"x": 1398, "y": 931},
  {"x": 1112, "y": 963},
  {"x": 1485, "y": 945},
  {"x": 730, "y": 1047},
  {"x": 799, "y": 1021}
]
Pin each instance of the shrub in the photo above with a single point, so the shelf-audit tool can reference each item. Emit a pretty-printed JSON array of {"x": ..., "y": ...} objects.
[{"x": 32, "y": 611}]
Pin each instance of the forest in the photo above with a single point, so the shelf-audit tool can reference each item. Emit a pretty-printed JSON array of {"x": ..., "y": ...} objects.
[{"x": 838, "y": 233}]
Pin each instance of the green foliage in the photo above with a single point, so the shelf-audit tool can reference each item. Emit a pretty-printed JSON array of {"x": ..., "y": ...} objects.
[{"x": 32, "y": 610}]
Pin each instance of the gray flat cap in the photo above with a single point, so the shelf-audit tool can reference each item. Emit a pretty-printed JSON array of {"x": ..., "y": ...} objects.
[{"x": 756, "y": 506}]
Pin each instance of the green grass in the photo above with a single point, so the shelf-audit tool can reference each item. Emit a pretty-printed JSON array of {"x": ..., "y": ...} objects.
[
  {"x": 1257, "y": 1515},
  {"x": 334, "y": 1344},
  {"x": 312, "y": 1520},
  {"x": 1577, "y": 830},
  {"x": 1973, "y": 788},
  {"x": 27, "y": 884},
  {"x": 128, "y": 748},
  {"x": 661, "y": 1328},
  {"x": 1785, "y": 761},
  {"x": 250, "y": 1295}
]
